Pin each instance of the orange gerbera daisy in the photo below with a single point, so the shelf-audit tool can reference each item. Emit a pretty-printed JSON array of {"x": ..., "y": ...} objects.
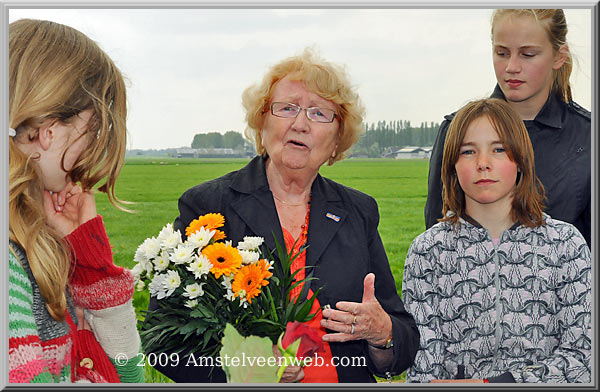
[
  {"x": 210, "y": 221},
  {"x": 219, "y": 235},
  {"x": 224, "y": 258},
  {"x": 264, "y": 267},
  {"x": 249, "y": 278}
]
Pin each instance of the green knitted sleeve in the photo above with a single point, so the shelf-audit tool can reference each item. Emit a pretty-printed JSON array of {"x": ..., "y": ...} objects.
[
  {"x": 26, "y": 361},
  {"x": 132, "y": 371}
]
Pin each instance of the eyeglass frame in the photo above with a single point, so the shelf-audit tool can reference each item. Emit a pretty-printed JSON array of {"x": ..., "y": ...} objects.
[{"x": 305, "y": 111}]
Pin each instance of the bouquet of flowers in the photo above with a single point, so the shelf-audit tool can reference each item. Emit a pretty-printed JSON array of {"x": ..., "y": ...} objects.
[{"x": 204, "y": 283}]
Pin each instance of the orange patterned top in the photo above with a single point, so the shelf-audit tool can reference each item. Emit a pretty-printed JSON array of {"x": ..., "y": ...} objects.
[{"x": 321, "y": 371}]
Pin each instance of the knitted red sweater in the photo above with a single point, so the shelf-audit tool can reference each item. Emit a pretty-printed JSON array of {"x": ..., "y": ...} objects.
[{"x": 96, "y": 282}]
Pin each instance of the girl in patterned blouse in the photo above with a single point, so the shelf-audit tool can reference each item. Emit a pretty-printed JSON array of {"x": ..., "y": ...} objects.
[{"x": 500, "y": 291}]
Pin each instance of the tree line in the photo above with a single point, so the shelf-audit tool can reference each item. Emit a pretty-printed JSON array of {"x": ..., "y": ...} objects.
[
  {"x": 378, "y": 138},
  {"x": 229, "y": 139},
  {"x": 382, "y": 137}
]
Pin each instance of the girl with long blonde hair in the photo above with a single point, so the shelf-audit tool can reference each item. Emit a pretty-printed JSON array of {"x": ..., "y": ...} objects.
[{"x": 67, "y": 110}]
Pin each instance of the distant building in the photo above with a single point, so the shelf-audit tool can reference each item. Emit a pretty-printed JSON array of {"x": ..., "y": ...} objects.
[
  {"x": 185, "y": 153},
  {"x": 412, "y": 152}
]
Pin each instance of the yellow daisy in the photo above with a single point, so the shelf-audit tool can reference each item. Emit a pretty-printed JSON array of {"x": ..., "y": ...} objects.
[{"x": 224, "y": 258}]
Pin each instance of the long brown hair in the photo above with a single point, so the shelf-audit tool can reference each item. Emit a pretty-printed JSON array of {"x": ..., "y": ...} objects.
[
  {"x": 527, "y": 204},
  {"x": 55, "y": 72},
  {"x": 555, "y": 24}
]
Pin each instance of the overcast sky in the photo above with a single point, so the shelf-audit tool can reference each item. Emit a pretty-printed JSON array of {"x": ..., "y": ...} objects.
[{"x": 187, "y": 68}]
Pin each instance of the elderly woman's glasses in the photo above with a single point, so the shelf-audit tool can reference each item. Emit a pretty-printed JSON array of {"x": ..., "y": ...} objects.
[{"x": 290, "y": 110}]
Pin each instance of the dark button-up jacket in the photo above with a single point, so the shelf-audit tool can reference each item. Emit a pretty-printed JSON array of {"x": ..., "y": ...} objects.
[{"x": 561, "y": 139}]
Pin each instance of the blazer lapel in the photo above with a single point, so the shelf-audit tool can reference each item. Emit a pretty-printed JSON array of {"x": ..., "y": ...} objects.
[
  {"x": 256, "y": 206},
  {"x": 327, "y": 216},
  {"x": 260, "y": 216}
]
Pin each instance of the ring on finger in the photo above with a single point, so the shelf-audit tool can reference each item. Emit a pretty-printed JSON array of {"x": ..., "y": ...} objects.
[
  {"x": 354, "y": 321},
  {"x": 352, "y": 331}
]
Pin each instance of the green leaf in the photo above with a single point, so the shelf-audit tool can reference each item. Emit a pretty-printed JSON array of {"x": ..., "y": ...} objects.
[{"x": 253, "y": 354}]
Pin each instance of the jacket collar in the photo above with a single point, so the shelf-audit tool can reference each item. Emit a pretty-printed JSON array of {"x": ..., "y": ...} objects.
[
  {"x": 251, "y": 177},
  {"x": 256, "y": 208},
  {"x": 551, "y": 113}
]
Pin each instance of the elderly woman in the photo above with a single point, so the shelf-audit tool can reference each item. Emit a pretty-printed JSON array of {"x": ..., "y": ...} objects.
[{"x": 302, "y": 115}]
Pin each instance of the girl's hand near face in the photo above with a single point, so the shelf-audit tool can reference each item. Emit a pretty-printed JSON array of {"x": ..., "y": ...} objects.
[{"x": 68, "y": 209}]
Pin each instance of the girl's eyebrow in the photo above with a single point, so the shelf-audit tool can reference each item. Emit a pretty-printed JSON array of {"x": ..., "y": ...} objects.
[
  {"x": 473, "y": 143},
  {"x": 528, "y": 46}
]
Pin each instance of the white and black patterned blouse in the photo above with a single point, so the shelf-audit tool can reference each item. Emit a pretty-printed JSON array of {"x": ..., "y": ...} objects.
[{"x": 518, "y": 311}]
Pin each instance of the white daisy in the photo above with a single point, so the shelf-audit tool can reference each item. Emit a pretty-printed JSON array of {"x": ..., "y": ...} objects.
[
  {"x": 166, "y": 231},
  {"x": 140, "y": 285},
  {"x": 200, "y": 266},
  {"x": 137, "y": 271},
  {"x": 249, "y": 256},
  {"x": 250, "y": 243},
  {"x": 191, "y": 303},
  {"x": 182, "y": 254},
  {"x": 270, "y": 264},
  {"x": 161, "y": 262},
  {"x": 156, "y": 286},
  {"x": 171, "y": 282},
  {"x": 193, "y": 290},
  {"x": 200, "y": 238},
  {"x": 140, "y": 254},
  {"x": 170, "y": 240},
  {"x": 227, "y": 280},
  {"x": 230, "y": 295},
  {"x": 243, "y": 300},
  {"x": 150, "y": 248}
]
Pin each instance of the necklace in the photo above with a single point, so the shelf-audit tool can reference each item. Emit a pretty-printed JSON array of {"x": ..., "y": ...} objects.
[{"x": 288, "y": 203}]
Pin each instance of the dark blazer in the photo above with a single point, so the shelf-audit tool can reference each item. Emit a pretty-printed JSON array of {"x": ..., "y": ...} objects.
[{"x": 342, "y": 252}]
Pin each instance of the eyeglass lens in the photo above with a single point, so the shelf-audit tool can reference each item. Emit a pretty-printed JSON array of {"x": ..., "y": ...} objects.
[{"x": 288, "y": 110}]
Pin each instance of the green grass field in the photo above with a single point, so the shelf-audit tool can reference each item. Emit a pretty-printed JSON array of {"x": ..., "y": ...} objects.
[{"x": 399, "y": 186}]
